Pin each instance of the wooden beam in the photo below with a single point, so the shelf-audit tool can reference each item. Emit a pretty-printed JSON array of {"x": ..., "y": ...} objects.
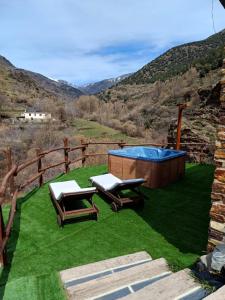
[{"x": 181, "y": 107}]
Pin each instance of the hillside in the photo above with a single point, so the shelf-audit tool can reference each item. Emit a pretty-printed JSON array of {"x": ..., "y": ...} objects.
[
  {"x": 204, "y": 55},
  {"x": 145, "y": 103},
  {"x": 21, "y": 87},
  {"x": 100, "y": 86}
]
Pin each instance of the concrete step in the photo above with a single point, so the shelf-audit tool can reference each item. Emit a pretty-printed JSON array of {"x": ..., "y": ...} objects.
[
  {"x": 97, "y": 269},
  {"x": 218, "y": 295},
  {"x": 180, "y": 285},
  {"x": 123, "y": 279}
]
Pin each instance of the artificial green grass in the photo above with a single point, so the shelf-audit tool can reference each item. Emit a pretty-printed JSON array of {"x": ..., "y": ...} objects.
[
  {"x": 35, "y": 288},
  {"x": 173, "y": 225}
]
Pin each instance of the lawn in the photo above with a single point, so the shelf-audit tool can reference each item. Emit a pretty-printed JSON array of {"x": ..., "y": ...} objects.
[{"x": 173, "y": 225}]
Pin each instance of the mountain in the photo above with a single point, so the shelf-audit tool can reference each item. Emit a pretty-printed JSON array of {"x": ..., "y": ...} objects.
[
  {"x": 205, "y": 55},
  {"x": 19, "y": 86},
  {"x": 145, "y": 103},
  {"x": 100, "y": 86},
  {"x": 5, "y": 63}
]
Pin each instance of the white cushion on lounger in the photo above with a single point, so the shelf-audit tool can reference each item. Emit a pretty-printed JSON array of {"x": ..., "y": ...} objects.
[
  {"x": 106, "y": 181},
  {"x": 59, "y": 188}
]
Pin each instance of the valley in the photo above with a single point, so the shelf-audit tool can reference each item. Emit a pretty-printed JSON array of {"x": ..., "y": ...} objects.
[
  {"x": 139, "y": 108},
  {"x": 112, "y": 150}
]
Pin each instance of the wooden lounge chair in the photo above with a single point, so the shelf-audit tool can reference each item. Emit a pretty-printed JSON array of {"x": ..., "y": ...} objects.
[
  {"x": 65, "y": 195},
  {"x": 112, "y": 188}
]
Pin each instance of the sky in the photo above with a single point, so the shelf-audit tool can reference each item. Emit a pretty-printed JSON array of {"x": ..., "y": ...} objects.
[{"x": 83, "y": 41}]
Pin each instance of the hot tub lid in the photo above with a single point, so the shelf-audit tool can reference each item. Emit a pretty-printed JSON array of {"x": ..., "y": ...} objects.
[{"x": 148, "y": 153}]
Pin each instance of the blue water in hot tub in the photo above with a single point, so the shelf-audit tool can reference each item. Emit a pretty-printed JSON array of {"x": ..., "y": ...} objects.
[{"x": 148, "y": 153}]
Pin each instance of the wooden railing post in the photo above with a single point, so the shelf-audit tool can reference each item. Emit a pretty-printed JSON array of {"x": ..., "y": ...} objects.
[
  {"x": 66, "y": 154},
  {"x": 83, "y": 150},
  {"x": 39, "y": 164},
  {"x": 121, "y": 144},
  {"x": 181, "y": 107},
  {"x": 8, "y": 153},
  {"x": 2, "y": 234}
]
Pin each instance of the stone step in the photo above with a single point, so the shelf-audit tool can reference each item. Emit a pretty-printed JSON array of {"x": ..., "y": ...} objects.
[
  {"x": 218, "y": 295},
  {"x": 180, "y": 285},
  {"x": 79, "y": 274},
  {"x": 117, "y": 280}
]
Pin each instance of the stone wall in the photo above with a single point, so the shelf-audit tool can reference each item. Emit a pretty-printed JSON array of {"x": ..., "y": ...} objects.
[
  {"x": 217, "y": 212},
  {"x": 199, "y": 125},
  {"x": 198, "y": 149}
]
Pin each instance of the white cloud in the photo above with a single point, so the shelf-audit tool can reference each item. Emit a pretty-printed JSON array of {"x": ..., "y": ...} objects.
[{"x": 64, "y": 38}]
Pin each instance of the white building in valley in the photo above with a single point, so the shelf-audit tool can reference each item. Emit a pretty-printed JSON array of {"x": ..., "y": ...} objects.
[{"x": 36, "y": 116}]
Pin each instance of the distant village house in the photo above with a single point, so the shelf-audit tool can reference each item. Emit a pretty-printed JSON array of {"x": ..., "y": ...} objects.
[
  {"x": 36, "y": 116},
  {"x": 11, "y": 116}
]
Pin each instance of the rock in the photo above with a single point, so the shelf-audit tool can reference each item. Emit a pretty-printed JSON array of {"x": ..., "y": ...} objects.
[{"x": 206, "y": 260}]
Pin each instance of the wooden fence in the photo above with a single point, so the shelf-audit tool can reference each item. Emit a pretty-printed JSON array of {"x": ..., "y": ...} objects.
[{"x": 8, "y": 183}]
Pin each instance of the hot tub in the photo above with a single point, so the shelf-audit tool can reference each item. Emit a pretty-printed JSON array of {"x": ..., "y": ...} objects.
[{"x": 158, "y": 166}]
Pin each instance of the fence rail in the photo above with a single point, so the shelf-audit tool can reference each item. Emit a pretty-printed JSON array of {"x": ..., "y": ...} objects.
[
  {"x": 51, "y": 150},
  {"x": 8, "y": 182},
  {"x": 5, "y": 182},
  {"x": 27, "y": 164}
]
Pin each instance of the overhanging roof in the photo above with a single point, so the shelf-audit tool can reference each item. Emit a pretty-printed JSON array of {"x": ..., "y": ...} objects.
[{"x": 223, "y": 3}]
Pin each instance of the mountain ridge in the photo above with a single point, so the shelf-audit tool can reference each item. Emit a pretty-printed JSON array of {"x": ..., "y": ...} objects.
[
  {"x": 23, "y": 87},
  {"x": 102, "y": 85},
  {"x": 146, "y": 102},
  {"x": 177, "y": 60},
  {"x": 5, "y": 62}
]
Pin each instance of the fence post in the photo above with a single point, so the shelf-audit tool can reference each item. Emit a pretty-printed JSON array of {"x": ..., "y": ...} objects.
[
  {"x": 2, "y": 230},
  {"x": 39, "y": 163},
  {"x": 121, "y": 144},
  {"x": 83, "y": 150},
  {"x": 66, "y": 154},
  {"x": 9, "y": 167}
]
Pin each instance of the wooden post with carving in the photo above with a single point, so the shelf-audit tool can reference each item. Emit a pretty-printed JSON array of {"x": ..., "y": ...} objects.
[
  {"x": 39, "y": 163},
  {"x": 66, "y": 154}
]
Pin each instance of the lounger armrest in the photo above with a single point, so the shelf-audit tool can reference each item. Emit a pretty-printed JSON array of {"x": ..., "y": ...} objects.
[
  {"x": 129, "y": 184},
  {"x": 134, "y": 181},
  {"x": 85, "y": 191},
  {"x": 112, "y": 187},
  {"x": 89, "y": 189}
]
